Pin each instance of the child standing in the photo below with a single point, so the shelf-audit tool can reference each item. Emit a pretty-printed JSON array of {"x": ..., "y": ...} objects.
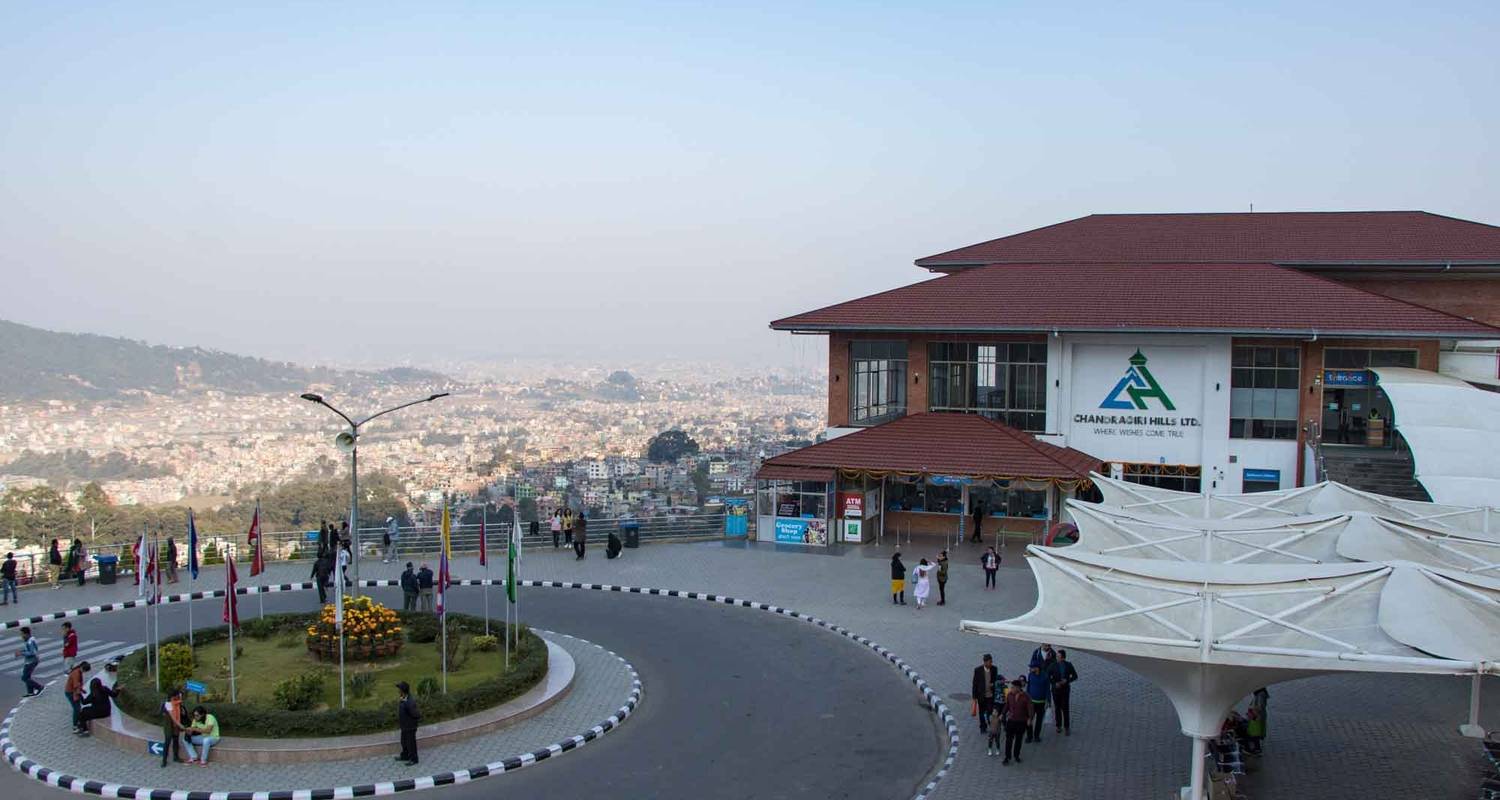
[{"x": 997, "y": 727}]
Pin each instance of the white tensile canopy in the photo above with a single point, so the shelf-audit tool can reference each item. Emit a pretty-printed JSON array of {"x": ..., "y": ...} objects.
[
  {"x": 1387, "y": 540},
  {"x": 1320, "y": 498},
  {"x": 1108, "y": 530},
  {"x": 1452, "y": 428},
  {"x": 1208, "y": 634}
]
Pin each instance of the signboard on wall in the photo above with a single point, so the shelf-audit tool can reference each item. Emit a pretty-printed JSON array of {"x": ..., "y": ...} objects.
[
  {"x": 1346, "y": 377},
  {"x": 852, "y": 504},
  {"x": 1138, "y": 403},
  {"x": 801, "y": 531}
]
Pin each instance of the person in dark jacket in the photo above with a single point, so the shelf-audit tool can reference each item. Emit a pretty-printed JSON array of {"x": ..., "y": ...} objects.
[
  {"x": 409, "y": 588},
  {"x": 613, "y": 546},
  {"x": 96, "y": 705},
  {"x": 1018, "y": 709},
  {"x": 325, "y": 539},
  {"x": 1061, "y": 675},
  {"x": 898, "y": 580},
  {"x": 171, "y": 560},
  {"x": 424, "y": 587},
  {"x": 580, "y": 534},
  {"x": 322, "y": 569},
  {"x": 942, "y": 578},
  {"x": 982, "y": 689},
  {"x": 1039, "y": 690},
  {"x": 55, "y": 564},
  {"x": 408, "y": 716}
]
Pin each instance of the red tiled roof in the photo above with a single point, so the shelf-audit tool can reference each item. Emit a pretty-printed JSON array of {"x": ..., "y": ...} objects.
[
  {"x": 1222, "y": 298},
  {"x": 781, "y": 472},
  {"x": 935, "y": 443},
  {"x": 1339, "y": 237}
]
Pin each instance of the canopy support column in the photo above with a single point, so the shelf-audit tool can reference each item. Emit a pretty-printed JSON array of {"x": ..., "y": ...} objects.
[
  {"x": 1194, "y": 790},
  {"x": 1472, "y": 728}
]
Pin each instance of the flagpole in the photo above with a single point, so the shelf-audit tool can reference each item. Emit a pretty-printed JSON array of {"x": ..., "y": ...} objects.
[
  {"x": 260, "y": 558},
  {"x": 231, "y": 651},
  {"x": 339, "y": 587},
  {"x": 156, "y": 601},
  {"x": 483, "y": 545}
]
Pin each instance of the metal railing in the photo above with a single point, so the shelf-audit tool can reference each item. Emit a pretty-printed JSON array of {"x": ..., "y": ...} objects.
[{"x": 413, "y": 542}]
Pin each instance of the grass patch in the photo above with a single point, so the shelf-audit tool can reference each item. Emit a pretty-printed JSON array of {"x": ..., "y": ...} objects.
[{"x": 273, "y": 650}]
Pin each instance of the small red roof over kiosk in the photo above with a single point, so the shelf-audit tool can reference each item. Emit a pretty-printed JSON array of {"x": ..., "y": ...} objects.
[{"x": 932, "y": 443}]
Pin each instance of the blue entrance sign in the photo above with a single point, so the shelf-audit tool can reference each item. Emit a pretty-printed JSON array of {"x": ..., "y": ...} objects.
[
  {"x": 195, "y": 687},
  {"x": 1263, "y": 475},
  {"x": 155, "y": 748},
  {"x": 1346, "y": 377},
  {"x": 950, "y": 480}
]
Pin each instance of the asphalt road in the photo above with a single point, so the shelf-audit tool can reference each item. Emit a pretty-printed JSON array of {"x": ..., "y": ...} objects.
[{"x": 738, "y": 703}]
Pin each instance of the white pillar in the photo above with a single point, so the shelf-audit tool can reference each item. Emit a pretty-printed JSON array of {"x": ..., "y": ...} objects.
[
  {"x": 1194, "y": 790},
  {"x": 1472, "y": 728}
]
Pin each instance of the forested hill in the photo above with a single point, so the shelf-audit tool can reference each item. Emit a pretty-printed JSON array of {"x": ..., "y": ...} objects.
[{"x": 36, "y": 364}]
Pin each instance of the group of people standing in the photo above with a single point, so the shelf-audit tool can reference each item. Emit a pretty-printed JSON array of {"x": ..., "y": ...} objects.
[
  {"x": 1012, "y": 712},
  {"x": 86, "y": 706},
  {"x": 334, "y": 555},
  {"x": 925, "y": 572},
  {"x": 416, "y": 586},
  {"x": 570, "y": 529},
  {"x": 180, "y": 733}
]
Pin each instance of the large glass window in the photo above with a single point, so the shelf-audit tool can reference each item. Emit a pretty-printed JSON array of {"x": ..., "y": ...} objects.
[
  {"x": 1263, "y": 394},
  {"x": 1005, "y": 382},
  {"x": 1178, "y": 477},
  {"x": 804, "y": 499},
  {"x": 877, "y": 390}
]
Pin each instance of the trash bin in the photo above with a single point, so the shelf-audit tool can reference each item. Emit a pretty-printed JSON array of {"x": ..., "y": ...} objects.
[
  {"x": 630, "y": 530},
  {"x": 107, "y": 568}
]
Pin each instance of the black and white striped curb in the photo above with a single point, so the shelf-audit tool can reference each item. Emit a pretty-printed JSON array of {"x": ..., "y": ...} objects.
[
  {"x": 77, "y": 785},
  {"x": 934, "y": 700}
]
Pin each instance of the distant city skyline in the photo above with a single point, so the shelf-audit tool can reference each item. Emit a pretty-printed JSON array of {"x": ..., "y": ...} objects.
[{"x": 585, "y": 182}]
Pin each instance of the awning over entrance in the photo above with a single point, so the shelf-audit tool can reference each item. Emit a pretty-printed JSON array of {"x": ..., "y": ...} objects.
[
  {"x": 1453, "y": 430},
  {"x": 939, "y": 444},
  {"x": 776, "y": 472}
]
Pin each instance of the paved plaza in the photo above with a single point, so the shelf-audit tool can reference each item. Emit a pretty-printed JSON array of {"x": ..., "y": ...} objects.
[{"x": 1348, "y": 736}]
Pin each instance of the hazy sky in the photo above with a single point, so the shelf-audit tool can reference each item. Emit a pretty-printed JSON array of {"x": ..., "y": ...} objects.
[{"x": 394, "y": 183}]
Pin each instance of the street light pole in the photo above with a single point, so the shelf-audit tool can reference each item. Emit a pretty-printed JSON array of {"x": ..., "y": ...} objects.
[{"x": 354, "y": 468}]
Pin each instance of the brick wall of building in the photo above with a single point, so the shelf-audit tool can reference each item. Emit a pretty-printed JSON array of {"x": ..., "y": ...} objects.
[
  {"x": 838, "y": 379},
  {"x": 1475, "y": 298}
]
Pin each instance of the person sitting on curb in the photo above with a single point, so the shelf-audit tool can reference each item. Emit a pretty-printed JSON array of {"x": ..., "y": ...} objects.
[
  {"x": 202, "y": 731},
  {"x": 97, "y": 706}
]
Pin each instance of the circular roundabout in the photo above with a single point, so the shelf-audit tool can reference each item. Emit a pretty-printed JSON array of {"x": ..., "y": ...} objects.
[{"x": 679, "y": 748}]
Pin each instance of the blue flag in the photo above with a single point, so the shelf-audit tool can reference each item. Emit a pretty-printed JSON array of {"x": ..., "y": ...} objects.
[{"x": 192, "y": 546}]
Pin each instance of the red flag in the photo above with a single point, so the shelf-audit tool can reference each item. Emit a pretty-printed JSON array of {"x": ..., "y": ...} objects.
[
  {"x": 442, "y": 583},
  {"x": 231, "y": 582},
  {"x": 257, "y": 562},
  {"x": 484, "y": 558}
]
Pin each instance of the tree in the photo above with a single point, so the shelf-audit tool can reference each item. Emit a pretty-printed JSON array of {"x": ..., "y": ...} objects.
[
  {"x": 701, "y": 484},
  {"x": 670, "y": 446}
]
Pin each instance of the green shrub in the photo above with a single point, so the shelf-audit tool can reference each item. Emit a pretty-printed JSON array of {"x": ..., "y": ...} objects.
[
  {"x": 361, "y": 684},
  {"x": 485, "y": 644},
  {"x": 428, "y": 687},
  {"x": 421, "y": 628},
  {"x": 299, "y": 692},
  {"x": 176, "y": 664},
  {"x": 139, "y": 698}
]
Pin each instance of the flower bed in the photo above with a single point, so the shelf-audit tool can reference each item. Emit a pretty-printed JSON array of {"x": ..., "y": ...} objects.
[{"x": 371, "y": 631}]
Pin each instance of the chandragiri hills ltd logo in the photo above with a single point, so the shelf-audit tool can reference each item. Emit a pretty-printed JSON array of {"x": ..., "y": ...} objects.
[{"x": 1136, "y": 387}]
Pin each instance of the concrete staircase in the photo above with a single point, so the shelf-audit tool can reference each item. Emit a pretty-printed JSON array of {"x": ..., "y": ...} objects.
[{"x": 1374, "y": 469}]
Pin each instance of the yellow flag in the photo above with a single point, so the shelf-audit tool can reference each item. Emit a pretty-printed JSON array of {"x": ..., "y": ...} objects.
[{"x": 447, "y": 544}]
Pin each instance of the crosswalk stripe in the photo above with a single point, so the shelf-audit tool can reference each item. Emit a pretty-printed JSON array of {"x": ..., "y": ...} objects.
[
  {"x": 91, "y": 650},
  {"x": 97, "y": 659}
]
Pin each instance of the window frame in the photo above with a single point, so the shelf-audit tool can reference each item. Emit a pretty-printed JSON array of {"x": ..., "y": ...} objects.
[
  {"x": 1257, "y": 368},
  {"x": 1013, "y": 375},
  {"x": 877, "y": 371}
]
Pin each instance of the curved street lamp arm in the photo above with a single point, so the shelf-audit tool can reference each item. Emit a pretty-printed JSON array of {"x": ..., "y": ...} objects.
[
  {"x": 396, "y": 408},
  {"x": 325, "y": 404}
]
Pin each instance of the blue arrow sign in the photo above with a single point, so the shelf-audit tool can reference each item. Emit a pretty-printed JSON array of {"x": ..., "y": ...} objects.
[
  {"x": 195, "y": 687},
  {"x": 155, "y": 748}
]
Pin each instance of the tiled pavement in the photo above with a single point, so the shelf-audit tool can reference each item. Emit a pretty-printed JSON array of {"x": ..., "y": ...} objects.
[
  {"x": 602, "y": 686},
  {"x": 1331, "y": 737}
]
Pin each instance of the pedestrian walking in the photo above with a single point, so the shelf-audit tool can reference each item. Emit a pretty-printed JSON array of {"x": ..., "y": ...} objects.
[
  {"x": 8, "y": 580},
  {"x": 70, "y": 562},
  {"x": 409, "y": 589},
  {"x": 321, "y": 572},
  {"x": 580, "y": 534},
  {"x": 942, "y": 578},
  {"x": 424, "y": 586},
  {"x": 990, "y": 561},
  {"x": 407, "y": 718},
  {"x": 1062, "y": 676},
  {"x": 97, "y": 705},
  {"x": 54, "y": 564},
  {"x": 924, "y": 584},
  {"x": 982, "y": 689},
  {"x": 978, "y": 536},
  {"x": 70, "y": 645},
  {"x": 73, "y": 689},
  {"x": 202, "y": 731},
  {"x": 1039, "y": 690},
  {"x": 171, "y": 727},
  {"x": 391, "y": 540},
  {"x": 344, "y": 558},
  {"x": 30, "y": 656},
  {"x": 996, "y": 735},
  {"x": 1018, "y": 709},
  {"x": 171, "y": 560},
  {"x": 556, "y": 527},
  {"x": 325, "y": 539},
  {"x": 898, "y": 580}
]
